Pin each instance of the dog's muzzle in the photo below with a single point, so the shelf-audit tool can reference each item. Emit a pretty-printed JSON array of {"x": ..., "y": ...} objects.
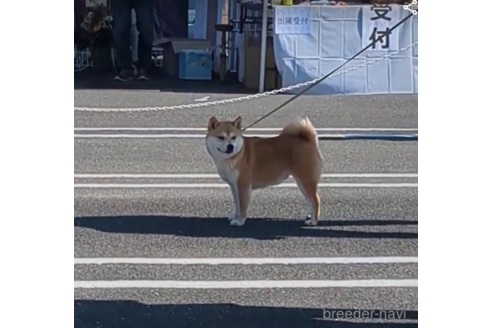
[{"x": 229, "y": 149}]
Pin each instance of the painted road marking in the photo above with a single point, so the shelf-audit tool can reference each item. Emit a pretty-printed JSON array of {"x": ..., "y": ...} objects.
[
  {"x": 223, "y": 185},
  {"x": 251, "y": 129},
  {"x": 182, "y": 136},
  {"x": 246, "y": 284},
  {"x": 216, "y": 176},
  {"x": 246, "y": 261}
]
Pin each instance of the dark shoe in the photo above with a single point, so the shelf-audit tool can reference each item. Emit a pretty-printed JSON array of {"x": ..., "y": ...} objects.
[
  {"x": 142, "y": 75},
  {"x": 125, "y": 75}
]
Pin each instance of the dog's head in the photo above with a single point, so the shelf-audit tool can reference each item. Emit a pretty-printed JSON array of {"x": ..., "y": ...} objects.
[{"x": 224, "y": 139}]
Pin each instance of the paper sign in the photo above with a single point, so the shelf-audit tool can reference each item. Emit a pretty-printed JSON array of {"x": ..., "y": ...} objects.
[
  {"x": 377, "y": 20},
  {"x": 292, "y": 20}
]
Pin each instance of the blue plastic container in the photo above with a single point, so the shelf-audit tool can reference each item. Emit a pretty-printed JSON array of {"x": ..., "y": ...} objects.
[{"x": 195, "y": 65}]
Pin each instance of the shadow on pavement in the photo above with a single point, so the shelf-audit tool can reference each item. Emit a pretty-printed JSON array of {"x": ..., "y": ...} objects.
[
  {"x": 130, "y": 314},
  {"x": 88, "y": 81},
  {"x": 254, "y": 228}
]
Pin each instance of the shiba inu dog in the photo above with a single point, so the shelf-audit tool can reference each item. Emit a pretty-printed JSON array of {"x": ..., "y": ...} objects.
[{"x": 250, "y": 163}]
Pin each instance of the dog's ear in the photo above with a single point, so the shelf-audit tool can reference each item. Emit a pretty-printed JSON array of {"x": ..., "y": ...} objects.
[
  {"x": 213, "y": 122},
  {"x": 237, "y": 122}
]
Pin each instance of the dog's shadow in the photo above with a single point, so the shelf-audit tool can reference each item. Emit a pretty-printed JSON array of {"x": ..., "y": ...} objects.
[
  {"x": 255, "y": 228},
  {"x": 131, "y": 314}
]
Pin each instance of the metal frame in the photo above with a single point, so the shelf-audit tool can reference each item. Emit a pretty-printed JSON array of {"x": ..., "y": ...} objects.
[
  {"x": 235, "y": 19},
  {"x": 264, "y": 25}
]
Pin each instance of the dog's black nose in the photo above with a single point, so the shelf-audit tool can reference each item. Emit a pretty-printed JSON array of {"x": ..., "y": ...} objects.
[{"x": 230, "y": 149}]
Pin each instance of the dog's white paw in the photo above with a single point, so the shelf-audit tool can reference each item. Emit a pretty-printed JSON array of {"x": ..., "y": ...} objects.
[
  {"x": 310, "y": 222},
  {"x": 231, "y": 216},
  {"x": 237, "y": 222}
]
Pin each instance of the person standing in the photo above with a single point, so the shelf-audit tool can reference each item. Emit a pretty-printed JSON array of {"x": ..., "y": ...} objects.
[{"x": 122, "y": 18}]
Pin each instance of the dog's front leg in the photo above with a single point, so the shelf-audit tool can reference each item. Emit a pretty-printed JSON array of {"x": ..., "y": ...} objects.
[
  {"x": 244, "y": 196},
  {"x": 235, "y": 195}
]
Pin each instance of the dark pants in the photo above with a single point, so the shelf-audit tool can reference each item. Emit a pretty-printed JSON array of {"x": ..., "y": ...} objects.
[{"x": 122, "y": 18}]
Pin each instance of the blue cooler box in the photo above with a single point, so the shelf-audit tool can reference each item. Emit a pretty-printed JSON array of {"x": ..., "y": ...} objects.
[{"x": 195, "y": 65}]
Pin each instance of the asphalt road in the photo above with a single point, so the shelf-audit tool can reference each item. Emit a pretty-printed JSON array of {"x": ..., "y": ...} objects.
[
  {"x": 144, "y": 199},
  {"x": 392, "y": 111}
]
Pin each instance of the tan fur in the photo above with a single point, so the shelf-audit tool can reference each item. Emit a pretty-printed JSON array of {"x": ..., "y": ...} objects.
[
  {"x": 257, "y": 163},
  {"x": 303, "y": 129}
]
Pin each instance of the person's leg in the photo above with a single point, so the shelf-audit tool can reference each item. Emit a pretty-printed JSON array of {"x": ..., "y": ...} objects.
[
  {"x": 122, "y": 18},
  {"x": 145, "y": 25}
]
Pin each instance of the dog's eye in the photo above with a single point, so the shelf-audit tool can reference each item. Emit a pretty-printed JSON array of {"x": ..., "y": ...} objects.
[
  {"x": 233, "y": 138},
  {"x": 221, "y": 138}
]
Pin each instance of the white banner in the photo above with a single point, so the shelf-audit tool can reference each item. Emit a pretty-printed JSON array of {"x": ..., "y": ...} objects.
[{"x": 337, "y": 33}]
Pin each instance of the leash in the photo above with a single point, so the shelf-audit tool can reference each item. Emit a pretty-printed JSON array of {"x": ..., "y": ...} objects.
[{"x": 329, "y": 74}]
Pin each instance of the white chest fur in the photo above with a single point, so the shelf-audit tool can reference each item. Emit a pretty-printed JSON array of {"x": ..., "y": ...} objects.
[{"x": 227, "y": 171}]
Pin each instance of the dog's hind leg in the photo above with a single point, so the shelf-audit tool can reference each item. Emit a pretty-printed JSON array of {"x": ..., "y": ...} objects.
[
  {"x": 306, "y": 169},
  {"x": 309, "y": 189},
  {"x": 315, "y": 211}
]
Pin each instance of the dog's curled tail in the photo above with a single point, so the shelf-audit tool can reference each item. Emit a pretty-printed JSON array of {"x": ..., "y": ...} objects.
[{"x": 301, "y": 128}]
